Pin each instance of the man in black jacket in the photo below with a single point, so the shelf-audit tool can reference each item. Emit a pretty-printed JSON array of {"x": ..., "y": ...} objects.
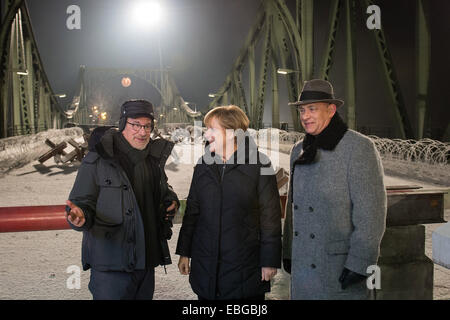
[{"x": 116, "y": 200}]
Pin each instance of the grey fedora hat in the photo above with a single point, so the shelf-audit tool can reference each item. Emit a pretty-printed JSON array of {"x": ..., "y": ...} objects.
[{"x": 317, "y": 90}]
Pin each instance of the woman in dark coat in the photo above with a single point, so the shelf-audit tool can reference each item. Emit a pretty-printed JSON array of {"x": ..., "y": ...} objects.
[{"x": 231, "y": 229}]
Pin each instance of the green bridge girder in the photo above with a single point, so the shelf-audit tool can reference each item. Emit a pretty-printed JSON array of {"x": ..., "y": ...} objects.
[
  {"x": 28, "y": 104},
  {"x": 287, "y": 41},
  {"x": 281, "y": 37}
]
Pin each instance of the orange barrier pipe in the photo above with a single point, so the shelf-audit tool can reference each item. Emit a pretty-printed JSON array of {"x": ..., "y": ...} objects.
[
  {"x": 40, "y": 218},
  {"x": 33, "y": 218}
]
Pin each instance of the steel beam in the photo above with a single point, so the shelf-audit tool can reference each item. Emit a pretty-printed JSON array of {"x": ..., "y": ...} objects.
[
  {"x": 393, "y": 86},
  {"x": 423, "y": 48},
  {"x": 263, "y": 73},
  {"x": 327, "y": 61},
  {"x": 350, "y": 63},
  {"x": 307, "y": 37}
]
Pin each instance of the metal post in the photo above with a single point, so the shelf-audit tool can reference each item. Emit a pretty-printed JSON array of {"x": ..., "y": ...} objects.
[
  {"x": 404, "y": 126},
  {"x": 307, "y": 36},
  {"x": 329, "y": 51},
  {"x": 350, "y": 64},
  {"x": 162, "y": 90},
  {"x": 423, "y": 47},
  {"x": 275, "y": 96},
  {"x": 252, "y": 83}
]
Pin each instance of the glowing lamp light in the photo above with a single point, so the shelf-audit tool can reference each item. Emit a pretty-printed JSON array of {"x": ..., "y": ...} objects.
[
  {"x": 126, "y": 82},
  {"x": 147, "y": 13}
]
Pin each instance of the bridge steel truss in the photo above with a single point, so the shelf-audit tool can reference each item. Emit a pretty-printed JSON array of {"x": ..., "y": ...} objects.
[
  {"x": 27, "y": 102},
  {"x": 286, "y": 40}
]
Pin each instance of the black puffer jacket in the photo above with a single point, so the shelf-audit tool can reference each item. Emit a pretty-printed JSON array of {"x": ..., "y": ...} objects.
[{"x": 231, "y": 228}]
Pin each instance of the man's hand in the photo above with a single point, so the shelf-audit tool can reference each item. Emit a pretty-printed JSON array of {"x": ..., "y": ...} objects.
[
  {"x": 183, "y": 265},
  {"x": 268, "y": 273},
  {"x": 349, "y": 278},
  {"x": 171, "y": 210},
  {"x": 75, "y": 216}
]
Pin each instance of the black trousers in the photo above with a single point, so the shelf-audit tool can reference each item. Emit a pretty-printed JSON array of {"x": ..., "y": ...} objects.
[{"x": 118, "y": 285}]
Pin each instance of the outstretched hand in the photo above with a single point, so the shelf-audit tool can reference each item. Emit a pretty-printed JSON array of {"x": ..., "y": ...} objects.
[{"x": 75, "y": 216}]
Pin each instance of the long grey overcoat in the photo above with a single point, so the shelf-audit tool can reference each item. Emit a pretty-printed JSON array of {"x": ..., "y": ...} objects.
[{"x": 335, "y": 217}]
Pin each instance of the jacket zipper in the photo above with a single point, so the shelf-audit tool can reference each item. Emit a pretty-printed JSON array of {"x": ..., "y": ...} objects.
[
  {"x": 216, "y": 293},
  {"x": 223, "y": 172}
]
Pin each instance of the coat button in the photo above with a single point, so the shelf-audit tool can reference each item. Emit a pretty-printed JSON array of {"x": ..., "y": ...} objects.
[
  {"x": 296, "y": 233},
  {"x": 312, "y": 236},
  {"x": 107, "y": 181},
  {"x": 295, "y": 207},
  {"x": 313, "y": 266},
  {"x": 129, "y": 212},
  {"x": 311, "y": 209},
  {"x": 125, "y": 187}
]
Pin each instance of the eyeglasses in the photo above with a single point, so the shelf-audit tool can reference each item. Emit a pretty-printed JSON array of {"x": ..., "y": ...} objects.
[{"x": 137, "y": 127}]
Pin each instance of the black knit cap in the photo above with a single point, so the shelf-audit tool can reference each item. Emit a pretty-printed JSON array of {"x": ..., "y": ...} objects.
[{"x": 135, "y": 109}]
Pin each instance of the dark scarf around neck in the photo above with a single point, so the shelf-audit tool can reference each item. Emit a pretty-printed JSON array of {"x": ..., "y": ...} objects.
[
  {"x": 326, "y": 140},
  {"x": 144, "y": 178}
]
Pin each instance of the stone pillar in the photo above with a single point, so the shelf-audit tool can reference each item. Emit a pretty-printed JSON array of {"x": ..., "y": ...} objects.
[{"x": 406, "y": 272}]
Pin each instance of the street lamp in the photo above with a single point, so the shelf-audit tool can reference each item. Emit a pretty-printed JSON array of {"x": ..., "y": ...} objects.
[
  {"x": 149, "y": 14},
  {"x": 21, "y": 72},
  {"x": 192, "y": 103},
  {"x": 286, "y": 71}
]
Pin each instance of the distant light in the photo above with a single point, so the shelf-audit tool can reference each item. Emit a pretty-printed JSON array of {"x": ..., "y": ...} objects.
[
  {"x": 212, "y": 95},
  {"x": 126, "y": 82},
  {"x": 175, "y": 109},
  {"x": 147, "y": 13},
  {"x": 286, "y": 71},
  {"x": 22, "y": 73},
  {"x": 60, "y": 95}
]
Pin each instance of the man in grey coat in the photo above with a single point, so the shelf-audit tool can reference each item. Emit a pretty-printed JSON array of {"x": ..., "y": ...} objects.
[{"x": 336, "y": 208}]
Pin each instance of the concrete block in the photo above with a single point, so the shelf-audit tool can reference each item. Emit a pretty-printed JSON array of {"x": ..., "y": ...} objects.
[
  {"x": 406, "y": 281},
  {"x": 441, "y": 245},
  {"x": 447, "y": 199},
  {"x": 403, "y": 244}
]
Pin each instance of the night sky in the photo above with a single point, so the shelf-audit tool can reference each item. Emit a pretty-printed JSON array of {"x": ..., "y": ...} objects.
[{"x": 200, "y": 39}]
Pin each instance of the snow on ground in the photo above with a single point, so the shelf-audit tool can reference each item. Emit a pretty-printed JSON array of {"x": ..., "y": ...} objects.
[{"x": 34, "y": 265}]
